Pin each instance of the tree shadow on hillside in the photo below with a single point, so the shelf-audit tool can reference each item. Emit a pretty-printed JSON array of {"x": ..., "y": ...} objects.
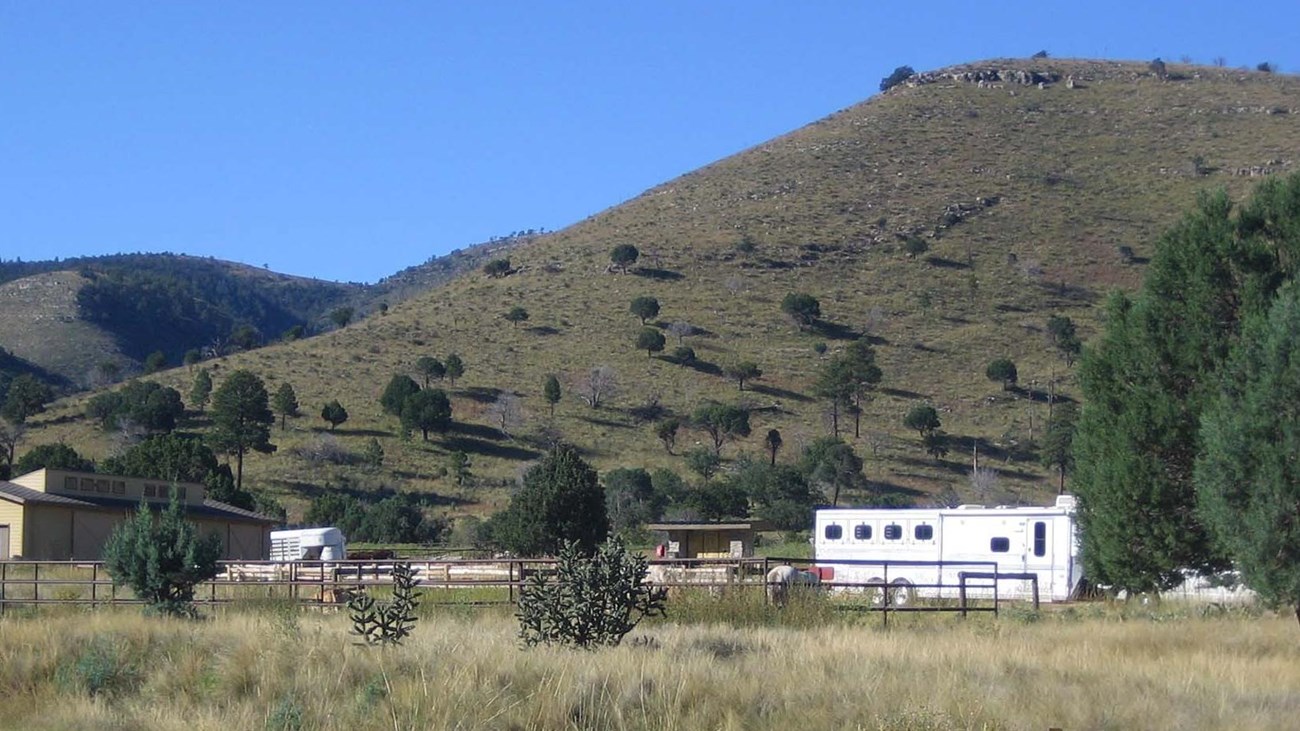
[
  {"x": 605, "y": 422},
  {"x": 903, "y": 393},
  {"x": 703, "y": 366},
  {"x": 541, "y": 330},
  {"x": 962, "y": 467},
  {"x": 1069, "y": 294},
  {"x": 775, "y": 392},
  {"x": 478, "y": 431},
  {"x": 1003, "y": 453},
  {"x": 470, "y": 445},
  {"x": 353, "y": 432},
  {"x": 481, "y": 394},
  {"x": 942, "y": 263},
  {"x": 661, "y": 275},
  {"x": 835, "y": 331}
]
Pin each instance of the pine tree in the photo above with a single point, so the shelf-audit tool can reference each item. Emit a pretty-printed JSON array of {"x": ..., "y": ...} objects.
[
  {"x": 201, "y": 391},
  {"x": 241, "y": 419},
  {"x": 561, "y": 500},
  {"x": 1247, "y": 477},
  {"x": 162, "y": 559},
  {"x": 285, "y": 403},
  {"x": 551, "y": 391}
]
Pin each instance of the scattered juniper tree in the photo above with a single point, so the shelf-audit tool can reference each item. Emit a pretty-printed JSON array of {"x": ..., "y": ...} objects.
[
  {"x": 623, "y": 256},
  {"x": 743, "y": 371},
  {"x": 721, "y": 422},
  {"x": 898, "y": 76},
  {"x": 455, "y": 368},
  {"x": 497, "y": 268},
  {"x": 645, "y": 308},
  {"x": 1002, "y": 370},
  {"x": 334, "y": 413},
  {"x": 430, "y": 368},
  {"x": 922, "y": 419},
  {"x": 650, "y": 340},
  {"x": 802, "y": 309},
  {"x": 285, "y": 403},
  {"x": 666, "y": 431},
  {"x": 551, "y": 392},
  {"x": 516, "y": 315},
  {"x": 342, "y": 316},
  {"x": 773, "y": 444},
  {"x": 427, "y": 410},
  {"x": 162, "y": 558},
  {"x": 399, "y": 388}
]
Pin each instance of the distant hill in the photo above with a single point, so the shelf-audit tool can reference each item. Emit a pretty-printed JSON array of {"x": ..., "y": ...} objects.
[{"x": 946, "y": 219}]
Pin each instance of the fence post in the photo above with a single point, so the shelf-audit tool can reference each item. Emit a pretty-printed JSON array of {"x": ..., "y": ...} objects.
[
  {"x": 961, "y": 591},
  {"x": 94, "y": 582},
  {"x": 36, "y": 583},
  {"x": 4, "y": 584}
]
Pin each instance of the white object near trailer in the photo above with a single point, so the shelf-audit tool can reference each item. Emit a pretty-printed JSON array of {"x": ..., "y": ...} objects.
[
  {"x": 907, "y": 551},
  {"x": 308, "y": 544}
]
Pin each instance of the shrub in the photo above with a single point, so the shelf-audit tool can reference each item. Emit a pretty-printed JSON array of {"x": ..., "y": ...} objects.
[
  {"x": 591, "y": 601},
  {"x": 899, "y": 75}
]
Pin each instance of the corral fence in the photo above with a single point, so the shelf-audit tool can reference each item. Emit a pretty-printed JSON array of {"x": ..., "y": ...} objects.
[{"x": 483, "y": 582}]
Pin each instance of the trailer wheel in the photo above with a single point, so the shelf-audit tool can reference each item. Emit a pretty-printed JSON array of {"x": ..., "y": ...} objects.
[
  {"x": 901, "y": 593},
  {"x": 876, "y": 591}
]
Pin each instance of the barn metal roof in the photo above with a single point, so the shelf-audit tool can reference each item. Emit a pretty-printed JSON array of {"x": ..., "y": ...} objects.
[{"x": 210, "y": 508}]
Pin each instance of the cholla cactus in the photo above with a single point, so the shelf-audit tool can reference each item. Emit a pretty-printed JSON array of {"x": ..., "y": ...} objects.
[
  {"x": 390, "y": 622},
  {"x": 590, "y": 601}
]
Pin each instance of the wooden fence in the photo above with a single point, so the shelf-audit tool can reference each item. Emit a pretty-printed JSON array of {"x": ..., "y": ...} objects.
[{"x": 466, "y": 582}]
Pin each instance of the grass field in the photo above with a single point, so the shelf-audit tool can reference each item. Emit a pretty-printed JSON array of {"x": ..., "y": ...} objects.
[{"x": 1089, "y": 667}]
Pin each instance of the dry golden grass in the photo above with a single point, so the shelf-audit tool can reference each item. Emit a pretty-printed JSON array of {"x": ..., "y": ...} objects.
[
  {"x": 275, "y": 670},
  {"x": 1077, "y": 172}
]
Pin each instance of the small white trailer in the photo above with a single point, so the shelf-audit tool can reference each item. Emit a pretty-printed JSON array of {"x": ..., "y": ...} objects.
[
  {"x": 308, "y": 544},
  {"x": 908, "y": 552}
]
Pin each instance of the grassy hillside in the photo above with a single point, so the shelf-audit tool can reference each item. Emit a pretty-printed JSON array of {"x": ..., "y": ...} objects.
[{"x": 1024, "y": 196}]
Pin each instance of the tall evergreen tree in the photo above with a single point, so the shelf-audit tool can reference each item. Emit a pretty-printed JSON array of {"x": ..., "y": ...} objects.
[
  {"x": 241, "y": 419},
  {"x": 285, "y": 403},
  {"x": 1247, "y": 477},
  {"x": 551, "y": 391},
  {"x": 201, "y": 391},
  {"x": 1149, "y": 379},
  {"x": 561, "y": 500}
]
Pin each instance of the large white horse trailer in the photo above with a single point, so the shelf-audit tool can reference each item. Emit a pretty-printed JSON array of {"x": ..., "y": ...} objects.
[{"x": 911, "y": 552}]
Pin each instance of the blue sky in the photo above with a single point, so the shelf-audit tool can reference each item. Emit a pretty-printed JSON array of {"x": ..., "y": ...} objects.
[{"x": 349, "y": 140}]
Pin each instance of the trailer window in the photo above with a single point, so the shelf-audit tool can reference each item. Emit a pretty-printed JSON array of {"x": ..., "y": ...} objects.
[
  {"x": 1040, "y": 539},
  {"x": 893, "y": 532},
  {"x": 1000, "y": 545},
  {"x": 833, "y": 532},
  {"x": 861, "y": 532},
  {"x": 923, "y": 532}
]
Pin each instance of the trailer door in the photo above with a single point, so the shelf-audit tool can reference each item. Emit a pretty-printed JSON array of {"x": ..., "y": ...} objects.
[{"x": 1039, "y": 554}]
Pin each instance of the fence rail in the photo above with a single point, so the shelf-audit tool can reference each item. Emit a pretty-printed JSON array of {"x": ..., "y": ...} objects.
[{"x": 451, "y": 581}]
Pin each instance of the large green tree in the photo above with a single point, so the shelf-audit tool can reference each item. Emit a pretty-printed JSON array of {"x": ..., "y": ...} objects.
[
  {"x": 1247, "y": 477},
  {"x": 146, "y": 404},
  {"x": 241, "y": 419},
  {"x": 1154, "y": 371},
  {"x": 722, "y": 422},
  {"x": 26, "y": 397},
  {"x": 58, "y": 456},
  {"x": 396, "y": 392},
  {"x": 427, "y": 410},
  {"x": 180, "y": 458},
  {"x": 561, "y": 500}
]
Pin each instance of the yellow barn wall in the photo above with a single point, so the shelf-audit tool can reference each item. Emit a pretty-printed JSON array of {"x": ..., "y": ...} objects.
[
  {"x": 90, "y": 531},
  {"x": 11, "y": 514},
  {"x": 48, "y": 533}
]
